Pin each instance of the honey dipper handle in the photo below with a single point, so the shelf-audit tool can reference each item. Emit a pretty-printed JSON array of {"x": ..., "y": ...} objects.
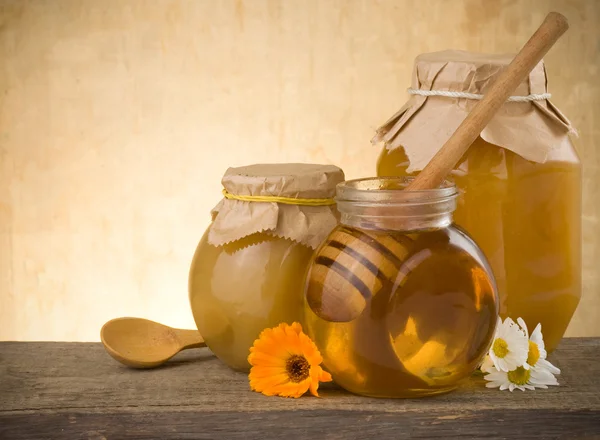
[{"x": 529, "y": 56}]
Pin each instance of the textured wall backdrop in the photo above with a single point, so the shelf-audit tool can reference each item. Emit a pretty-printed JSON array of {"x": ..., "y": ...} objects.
[{"x": 118, "y": 117}]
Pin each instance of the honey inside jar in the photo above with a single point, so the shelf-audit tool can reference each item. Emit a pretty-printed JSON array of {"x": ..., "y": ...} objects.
[
  {"x": 239, "y": 289},
  {"x": 247, "y": 274},
  {"x": 421, "y": 302},
  {"x": 520, "y": 181},
  {"x": 525, "y": 216}
]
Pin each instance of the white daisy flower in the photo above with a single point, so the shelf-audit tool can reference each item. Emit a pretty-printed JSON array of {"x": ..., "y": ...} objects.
[
  {"x": 520, "y": 378},
  {"x": 536, "y": 356},
  {"x": 510, "y": 346},
  {"x": 488, "y": 365}
]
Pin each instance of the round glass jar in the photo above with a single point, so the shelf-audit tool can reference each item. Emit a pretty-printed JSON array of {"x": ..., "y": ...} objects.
[
  {"x": 248, "y": 270},
  {"x": 520, "y": 182},
  {"x": 400, "y": 301}
]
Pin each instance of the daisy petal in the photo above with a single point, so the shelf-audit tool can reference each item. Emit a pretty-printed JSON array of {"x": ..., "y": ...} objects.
[
  {"x": 510, "y": 346},
  {"x": 548, "y": 366},
  {"x": 522, "y": 324}
]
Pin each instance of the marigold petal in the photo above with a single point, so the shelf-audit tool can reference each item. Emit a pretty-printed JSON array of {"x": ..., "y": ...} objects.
[
  {"x": 314, "y": 386},
  {"x": 314, "y": 381},
  {"x": 309, "y": 350},
  {"x": 264, "y": 335},
  {"x": 266, "y": 340},
  {"x": 269, "y": 393},
  {"x": 287, "y": 329},
  {"x": 267, "y": 383},
  {"x": 294, "y": 394},
  {"x": 266, "y": 360},
  {"x": 291, "y": 333},
  {"x": 272, "y": 343},
  {"x": 300, "y": 388},
  {"x": 263, "y": 346},
  {"x": 291, "y": 389},
  {"x": 271, "y": 348},
  {"x": 258, "y": 372},
  {"x": 324, "y": 376},
  {"x": 292, "y": 341},
  {"x": 286, "y": 346},
  {"x": 296, "y": 327}
]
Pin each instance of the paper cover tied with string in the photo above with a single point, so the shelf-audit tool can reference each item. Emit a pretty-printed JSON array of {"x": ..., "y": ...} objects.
[
  {"x": 293, "y": 201},
  {"x": 445, "y": 87}
]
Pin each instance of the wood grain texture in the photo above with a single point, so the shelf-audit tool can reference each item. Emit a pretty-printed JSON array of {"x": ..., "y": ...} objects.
[
  {"x": 75, "y": 390},
  {"x": 140, "y": 343},
  {"x": 351, "y": 268},
  {"x": 119, "y": 117}
]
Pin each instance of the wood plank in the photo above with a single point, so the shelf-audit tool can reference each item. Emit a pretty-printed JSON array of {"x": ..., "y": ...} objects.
[
  {"x": 303, "y": 424},
  {"x": 56, "y": 375},
  {"x": 73, "y": 390}
]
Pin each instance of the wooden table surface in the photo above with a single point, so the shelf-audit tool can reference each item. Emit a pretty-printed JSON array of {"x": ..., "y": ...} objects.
[{"x": 76, "y": 391}]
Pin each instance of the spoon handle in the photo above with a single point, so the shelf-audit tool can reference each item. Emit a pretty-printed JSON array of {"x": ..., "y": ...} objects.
[{"x": 190, "y": 339}]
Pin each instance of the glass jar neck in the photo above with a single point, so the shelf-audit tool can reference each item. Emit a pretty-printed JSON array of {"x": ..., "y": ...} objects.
[{"x": 384, "y": 203}]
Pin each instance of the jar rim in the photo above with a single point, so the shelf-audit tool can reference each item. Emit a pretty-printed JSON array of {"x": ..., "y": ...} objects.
[{"x": 392, "y": 190}]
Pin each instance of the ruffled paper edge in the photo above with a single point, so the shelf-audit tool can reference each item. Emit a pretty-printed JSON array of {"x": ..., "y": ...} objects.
[
  {"x": 319, "y": 222},
  {"x": 434, "y": 130}
]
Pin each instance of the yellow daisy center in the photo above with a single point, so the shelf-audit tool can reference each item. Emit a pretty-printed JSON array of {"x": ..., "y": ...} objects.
[
  {"x": 519, "y": 376},
  {"x": 297, "y": 368},
  {"x": 534, "y": 353},
  {"x": 500, "y": 348}
]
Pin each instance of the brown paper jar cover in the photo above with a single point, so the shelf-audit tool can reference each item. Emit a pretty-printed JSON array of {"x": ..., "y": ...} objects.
[
  {"x": 308, "y": 225},
  {"x": 529, "y": 129}
]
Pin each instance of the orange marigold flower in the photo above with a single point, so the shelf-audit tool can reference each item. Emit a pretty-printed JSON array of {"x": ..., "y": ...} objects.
[{"x": 285, "y": 362}]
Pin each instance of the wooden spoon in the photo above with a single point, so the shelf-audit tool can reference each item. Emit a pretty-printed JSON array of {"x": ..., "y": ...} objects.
[
  {"x": 528, "y": 57},
  {"x": 141, "y": 343},
  {"x": 337, "y": 290}
]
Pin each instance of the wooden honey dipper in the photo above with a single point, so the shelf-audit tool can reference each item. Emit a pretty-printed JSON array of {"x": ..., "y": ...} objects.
[{"x": 351, "y": 266}]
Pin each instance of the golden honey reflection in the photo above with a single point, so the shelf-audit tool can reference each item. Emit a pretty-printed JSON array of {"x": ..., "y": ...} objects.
[
  {"x": 425, "y": 325},
  {"x": 526, "y": 217}
]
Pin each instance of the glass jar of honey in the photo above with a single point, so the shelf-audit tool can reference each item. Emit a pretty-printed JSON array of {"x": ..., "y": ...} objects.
[
  {"x": 399, "y": 301},
  {"x": 520, "y": 181},
  {"x": 248, "y": 270}
]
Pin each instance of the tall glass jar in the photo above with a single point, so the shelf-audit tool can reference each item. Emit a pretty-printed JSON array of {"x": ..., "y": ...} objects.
[
  {"x": 248, "y": 270},
  {"x": 400, "y": 301},
  {"x": 520, "y": 180}
]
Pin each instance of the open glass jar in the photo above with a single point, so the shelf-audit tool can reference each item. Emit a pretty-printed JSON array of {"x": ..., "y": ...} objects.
[
  {"x": 400, "y": 302},
  {"x": 520, "y": 180},
  {"x": 248, "y": 270}
]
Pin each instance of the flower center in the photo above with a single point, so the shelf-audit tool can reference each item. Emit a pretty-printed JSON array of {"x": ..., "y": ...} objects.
[
  {"x": 500, "y": 348},
  {"x": 297, "y": 368},
  {"x": 534, "y": 353},
  {"x": 519, "y": 376}
]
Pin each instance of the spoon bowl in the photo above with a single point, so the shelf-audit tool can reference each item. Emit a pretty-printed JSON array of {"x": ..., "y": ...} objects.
[{"x": 141, "y": 343}]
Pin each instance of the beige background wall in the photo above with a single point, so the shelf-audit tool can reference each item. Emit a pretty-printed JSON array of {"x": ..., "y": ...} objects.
[{"x": 117, "y": 119}]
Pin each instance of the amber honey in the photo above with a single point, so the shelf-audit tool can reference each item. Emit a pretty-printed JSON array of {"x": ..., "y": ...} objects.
[
  {"x": 526, "y": 217},
  {"x": 402, "y": 312},
  {"x": 247, "y": 274},
  {"x": 243, "y": 287}
]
